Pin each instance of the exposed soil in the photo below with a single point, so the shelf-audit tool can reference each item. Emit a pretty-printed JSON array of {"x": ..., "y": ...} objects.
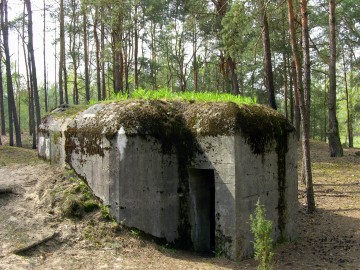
[{"x": 34, "y": 234}]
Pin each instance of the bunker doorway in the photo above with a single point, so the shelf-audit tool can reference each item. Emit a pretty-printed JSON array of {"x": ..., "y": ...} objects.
[{"x": 202, "y": 192}]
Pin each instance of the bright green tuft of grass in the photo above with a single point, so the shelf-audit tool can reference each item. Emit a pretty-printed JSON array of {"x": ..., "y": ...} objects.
[{"x": 167, "y": 94}]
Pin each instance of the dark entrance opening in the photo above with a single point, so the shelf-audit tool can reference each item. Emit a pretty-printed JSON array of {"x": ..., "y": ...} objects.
[{"x": 202, "y": 193}]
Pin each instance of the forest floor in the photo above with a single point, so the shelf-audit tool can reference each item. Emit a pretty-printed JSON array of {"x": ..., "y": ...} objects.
[{"x": 34, "y": 234}]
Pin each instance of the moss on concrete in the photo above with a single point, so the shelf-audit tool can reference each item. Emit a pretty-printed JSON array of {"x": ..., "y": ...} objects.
[{"x": 66, "y": 111}]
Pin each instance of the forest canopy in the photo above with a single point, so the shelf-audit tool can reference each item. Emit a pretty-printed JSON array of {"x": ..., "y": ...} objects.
[{"x": 82, "y": 52}]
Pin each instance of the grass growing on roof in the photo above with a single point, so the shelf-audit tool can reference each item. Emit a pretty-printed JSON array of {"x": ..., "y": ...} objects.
[{"x": 167, "y": 94}]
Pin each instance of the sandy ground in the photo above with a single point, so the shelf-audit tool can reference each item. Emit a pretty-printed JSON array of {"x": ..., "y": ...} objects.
[{"x": 30, "y": 215}]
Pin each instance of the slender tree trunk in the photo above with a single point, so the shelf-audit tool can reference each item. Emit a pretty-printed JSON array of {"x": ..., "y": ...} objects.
[
  {"x": 304, "y": 122},
  {"x": 334, "y": 137},
  {"x": 31, "y": 105},
  {"x": 44, "y": 54},
  {"x": 103, "y": 84},
  {"x": 269, "y": 79},
  {"x": 30, "y": 99},
  {"x": 2, "y": 107},
  {"x": 62, "y": 48},
  {"x": 86, "y": 59},
  {"x": 74, "y": 51},
  {"x": 296, "y": 103},
  {"x": 55, "y": 67},
  {"x": 234, "y": 80},
  {"x": 13, "y": 119},
  {"x": 97, "y": 54},
  {"x": 306, "y": 56},
  {"x": 153, "y": 55},
  {"x": 306, "y": 69},
  {"x": 65, "y": 81},
  {"x": 285, "y": 72},
  {"x": 348, "y": 115},
  {"x": 285, "y": 87},
  {"x": 33, "y": 65},
  {"x": 195, "y": 65},
  {"x": 136, "y": 48}
]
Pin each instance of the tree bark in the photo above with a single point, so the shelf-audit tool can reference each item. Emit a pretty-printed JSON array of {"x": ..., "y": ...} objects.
[
  {"x": 33, "y": 65},
  {"x": 74, "y": 51},
  {"x": 44, "y": 55},
  {"x": 13, "y": 119},
  {"x": 103, "y": 82},
  {"x": 348, "y": 115},
  {"x": 195, "y": 65},
  {"x": 62, "y": 48},
  {"x": 334, "y": 137},
  {"x": 2, "y": 107},
  {"x": 97, "y": 54},
  {"x": 136, "y": 48},
  {"x": 269, "y": 78},
  {"x": 86, "y": 59},
  {"x": 303, "y": 113}
]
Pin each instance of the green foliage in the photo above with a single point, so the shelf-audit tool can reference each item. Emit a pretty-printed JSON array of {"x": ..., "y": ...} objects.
[
  {"x": 262, "y": 228},
  {"x": 105, "y": 212}
]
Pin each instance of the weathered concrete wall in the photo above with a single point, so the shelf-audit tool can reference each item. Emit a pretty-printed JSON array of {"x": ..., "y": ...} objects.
[
  {"x": 218, "y": 154},
  {"x": 188, "y": 173},
  {"x": 258, "y": 178},
  {"x": 143, "y": 190},
  {"x": 51, "y": 139}
]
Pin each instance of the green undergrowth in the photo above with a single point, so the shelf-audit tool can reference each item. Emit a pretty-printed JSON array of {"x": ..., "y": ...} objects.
[{"x": 75, "y": 199}]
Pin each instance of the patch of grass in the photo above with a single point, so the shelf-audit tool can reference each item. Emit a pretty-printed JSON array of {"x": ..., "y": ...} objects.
[
  {"x": 105, "y": 212},
  {"x": 76, "y": 198},
  {"x": 68, "y": 111},
  {"x": 10, "y": 155},
  {"x": 167, "y": 94}
]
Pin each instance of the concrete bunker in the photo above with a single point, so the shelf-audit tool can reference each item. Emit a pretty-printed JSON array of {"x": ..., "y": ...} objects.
[{"x": 187, "y": 172}]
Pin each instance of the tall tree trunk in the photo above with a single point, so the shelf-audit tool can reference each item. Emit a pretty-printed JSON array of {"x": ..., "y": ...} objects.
[
  {"x": 348, "y": 115},
  {"x": 304, "y": 122},
  {"x": 296, "y": 110},
  {"x": 234, "y": 81},
  {"x": 306, "y": 69},
  {"x": 136, "y": 48},
  {"x": 153, "y": 55},
  {"x": 33, "y": 65},
  {"x": 13, "y": 119},
  {"x": 44, "y": 55},
  {"x": 269, "y": 78},
  {"x": 97, "y": 53},
  {"x": 62, "y": 49},
  {"x": 74, "y": 51},
  {"x": 195, "y": 65},
  {"x": 285, "y": 87},
  {"x": 31, "y": 105},
  {"x": 103, "y": 82},
  {"x": 30, "y": 99},
  {"x": 306, "y": 56},
  {"x": 55, "y": 67},
  {"x": 65, "y": 81},
  {"x": 2, "y": 105},
  {"x": 285, "y": 65},
  {"x": 334, "y": 137},
  {"x": 290, "y": 75},
  {"x": 86, "y": 59}
]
